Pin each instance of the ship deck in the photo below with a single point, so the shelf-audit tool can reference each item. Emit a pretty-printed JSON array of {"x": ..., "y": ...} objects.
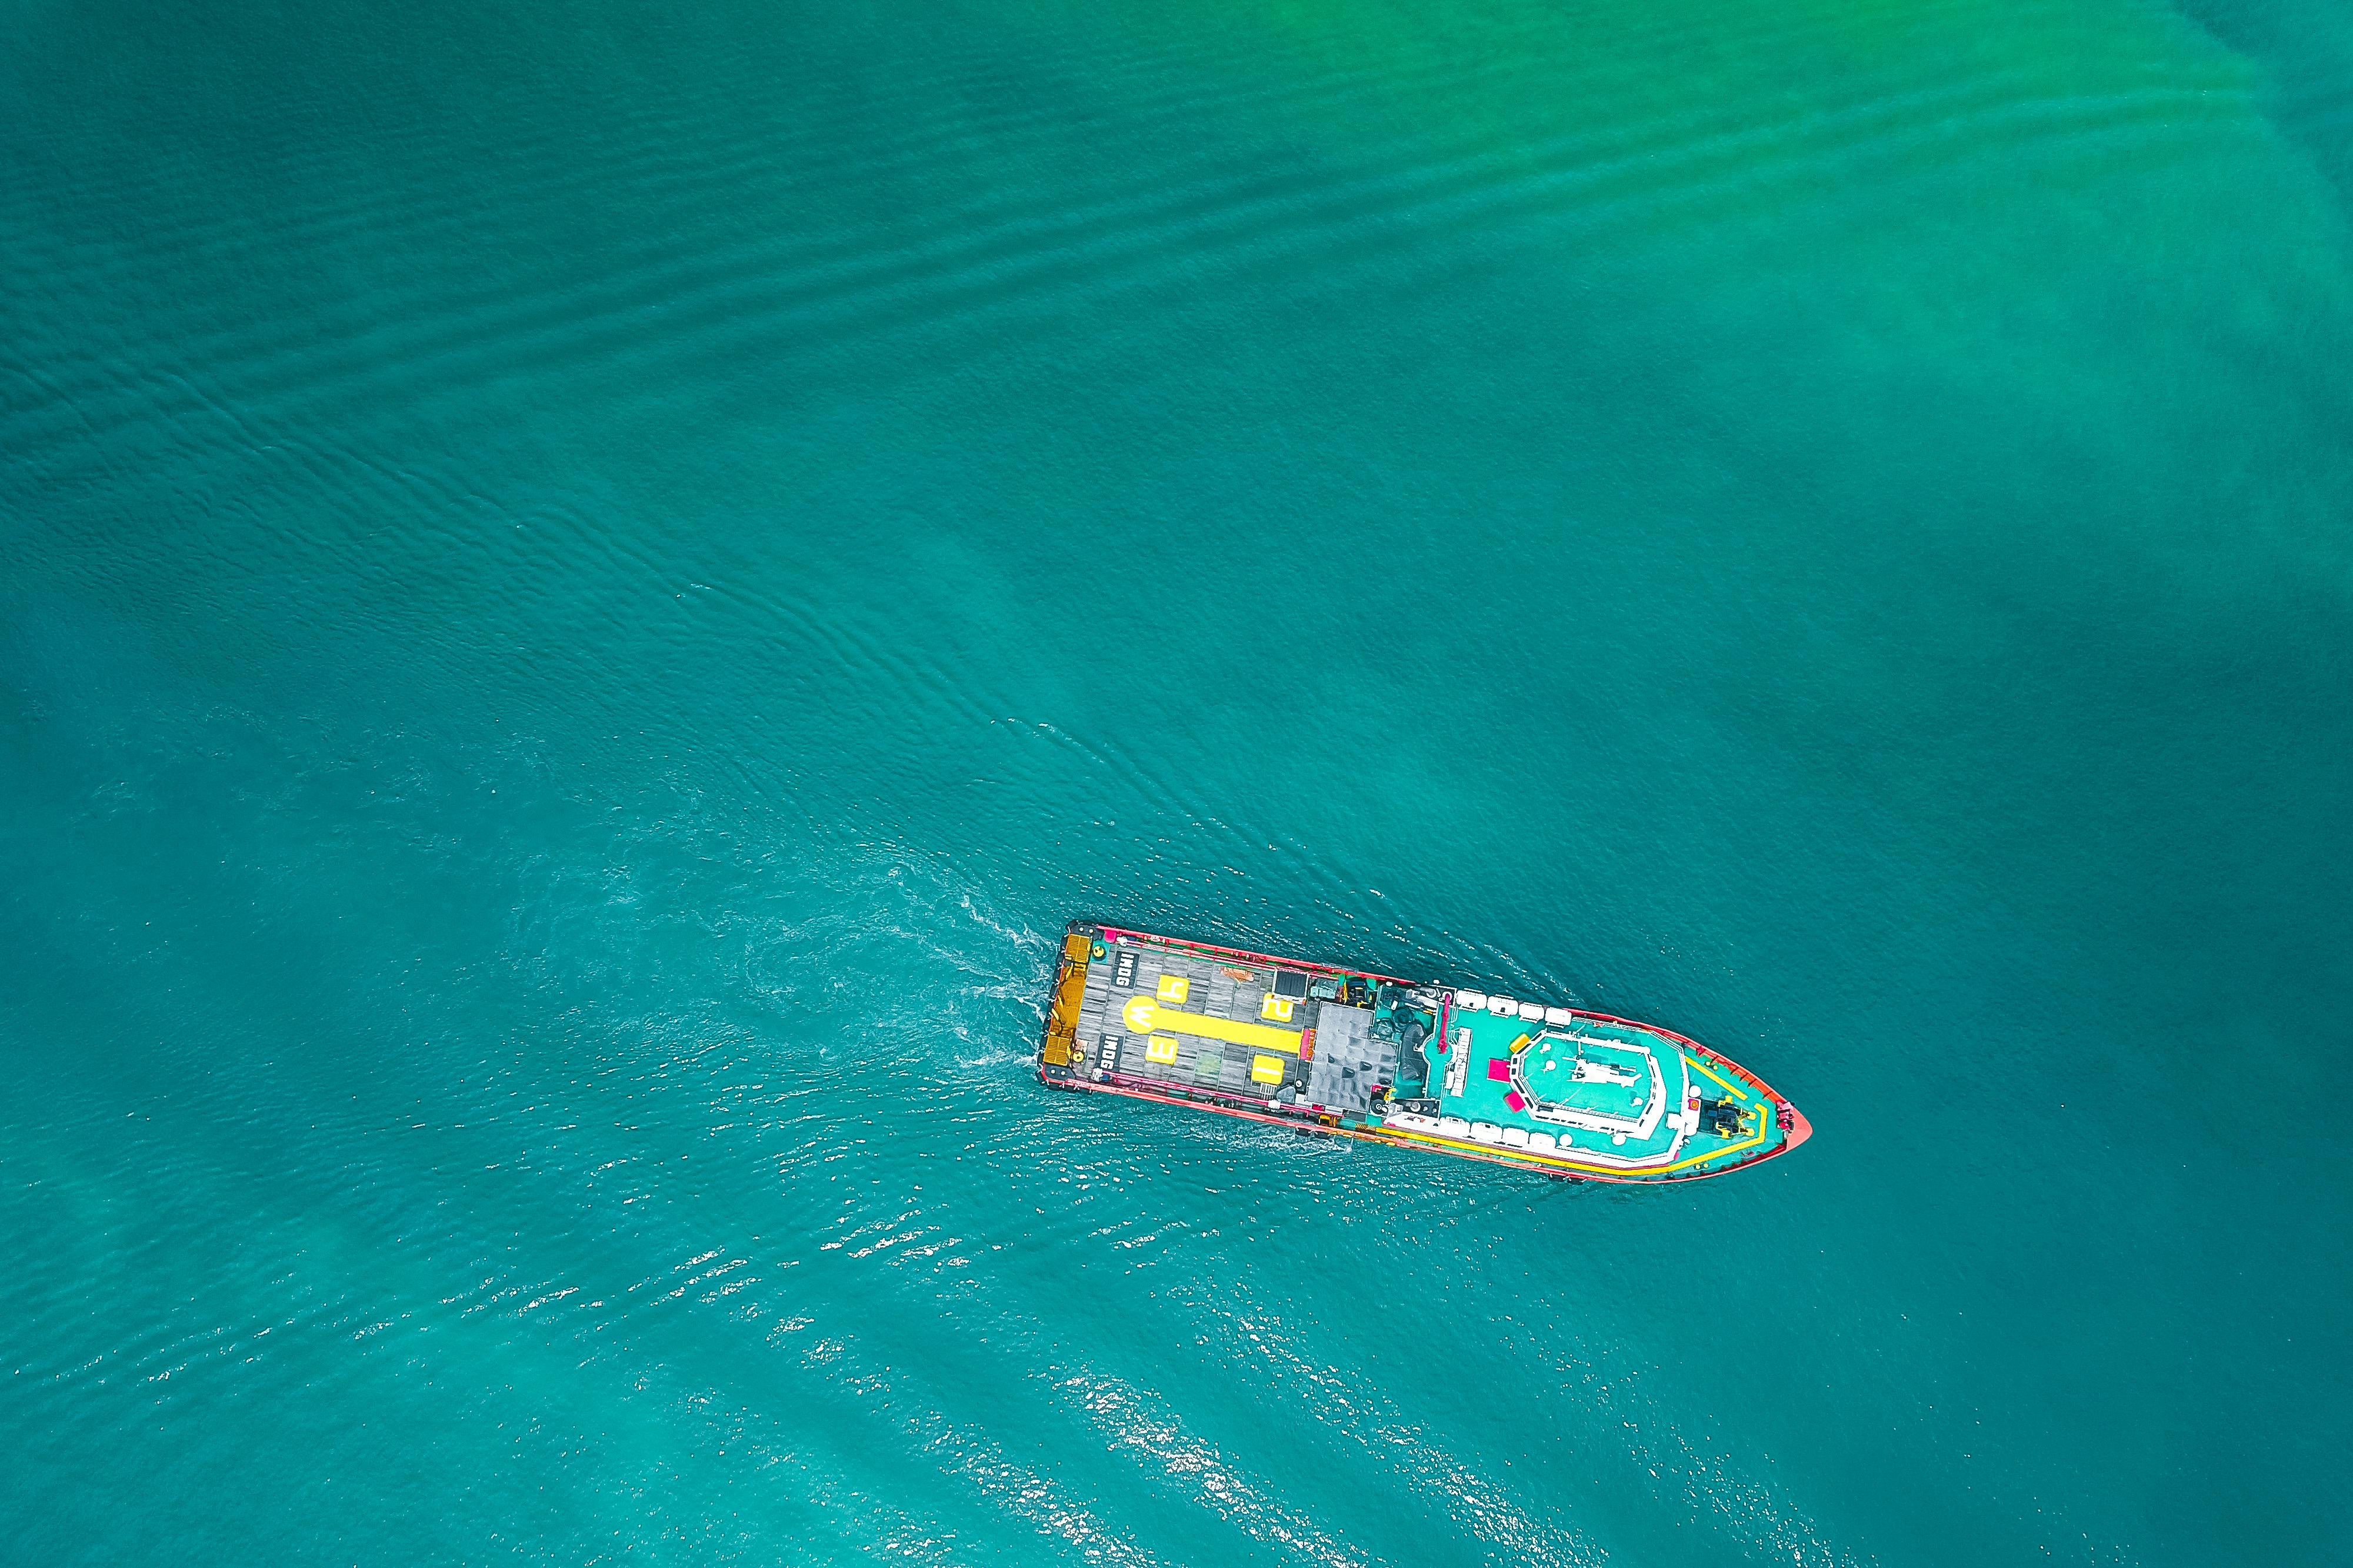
[{"x": 1202, "y": 1022}]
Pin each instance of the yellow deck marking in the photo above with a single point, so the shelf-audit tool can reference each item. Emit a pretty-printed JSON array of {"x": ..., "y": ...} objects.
[
  {"x": 1266, "y": 1069},
  {"x": 1162, "y": 1048},
  {"x": 1070, "y": 996},
  {"x": 1504, "y": 1150},
  {"x": 1143, "y": 1015},
  {"x": 1570, "y": 1161},
  {"x": 1750, "y": 1141},
  {"x": 1276, "y": 1007},
  {"x": 1736, "y": 1093},
  {"x": 1175, "y": 987}
]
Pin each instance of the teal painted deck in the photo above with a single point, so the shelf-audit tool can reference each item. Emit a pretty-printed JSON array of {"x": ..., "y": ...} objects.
[{"x": 1483, "y": 1098}]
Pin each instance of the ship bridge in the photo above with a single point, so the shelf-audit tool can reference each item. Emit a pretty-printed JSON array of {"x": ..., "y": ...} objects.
[{"x": 1562, "y": 1083}]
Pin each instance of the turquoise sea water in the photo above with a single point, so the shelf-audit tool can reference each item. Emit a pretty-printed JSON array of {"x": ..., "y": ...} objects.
[{"x": 584, "y": 587}]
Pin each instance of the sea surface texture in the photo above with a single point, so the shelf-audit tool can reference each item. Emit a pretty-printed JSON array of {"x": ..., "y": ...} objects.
[{"x": 584, "y": 587}]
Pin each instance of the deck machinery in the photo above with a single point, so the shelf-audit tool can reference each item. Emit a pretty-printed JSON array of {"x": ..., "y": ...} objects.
[{"x": 1562, "y": 1090}]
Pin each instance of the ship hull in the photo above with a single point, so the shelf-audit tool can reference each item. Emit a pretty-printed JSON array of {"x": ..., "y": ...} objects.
[{"x": 1324, "y": 1049}]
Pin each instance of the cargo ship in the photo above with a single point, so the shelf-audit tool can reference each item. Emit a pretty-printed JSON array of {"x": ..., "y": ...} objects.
[{"x": 1561, "y": 1090}]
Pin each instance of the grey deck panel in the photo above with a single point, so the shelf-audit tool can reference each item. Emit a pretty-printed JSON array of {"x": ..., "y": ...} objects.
[
  {"x": 1213, "y": 992},
  {"x": 1348, "y": 1060}
]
